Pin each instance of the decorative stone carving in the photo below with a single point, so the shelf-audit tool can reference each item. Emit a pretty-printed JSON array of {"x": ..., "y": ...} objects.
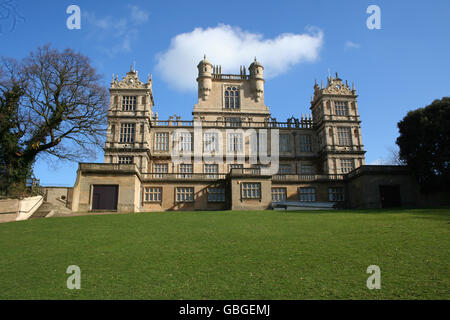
[
  {"x": 131, "y": 81},
  {"x": 335, "y": 86}
]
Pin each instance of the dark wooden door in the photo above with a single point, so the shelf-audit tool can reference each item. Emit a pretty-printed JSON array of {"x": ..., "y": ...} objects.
[
  {"x": 104, "y": 197},
  {"x": 390, "y": 196}
]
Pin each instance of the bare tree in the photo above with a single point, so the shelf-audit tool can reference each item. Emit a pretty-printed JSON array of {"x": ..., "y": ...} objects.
[
  {"x": 61, "y": 109},
  {"x": 394, "y": 156}
]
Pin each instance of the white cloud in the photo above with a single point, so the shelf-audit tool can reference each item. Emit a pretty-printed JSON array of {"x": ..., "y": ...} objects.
[
  {"x": 231, "y": 47},
  {"x": 350, "y": 44},
  {"x": 123, "y": 30}
]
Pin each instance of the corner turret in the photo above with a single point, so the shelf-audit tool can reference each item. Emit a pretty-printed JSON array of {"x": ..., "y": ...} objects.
[
  {"x": 257, "y": 79},
  {"x": 204, "y": 79}
]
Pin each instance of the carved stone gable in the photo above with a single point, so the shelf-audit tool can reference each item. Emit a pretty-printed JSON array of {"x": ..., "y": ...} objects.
[
  {"x": 130, "y": 81},
  {"x": 335, "y": 86}
]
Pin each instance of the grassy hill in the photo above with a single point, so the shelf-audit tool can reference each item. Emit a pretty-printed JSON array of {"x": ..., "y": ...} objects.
[{"x": 229, "y": 255}]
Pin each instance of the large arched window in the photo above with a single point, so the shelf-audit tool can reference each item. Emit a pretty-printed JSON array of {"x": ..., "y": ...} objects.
[{"x": 232, "y": 98}]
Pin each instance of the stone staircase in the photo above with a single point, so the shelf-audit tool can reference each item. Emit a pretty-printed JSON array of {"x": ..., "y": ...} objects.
[{"x": 48, "y": 209}]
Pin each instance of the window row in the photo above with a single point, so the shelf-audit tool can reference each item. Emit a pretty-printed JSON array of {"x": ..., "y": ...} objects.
[
  {"x": 249, "y": 190},
  {"x": 308, "y": 194},
  {"x": 213, "y": 169},
  {"x": 183, "y": 194},
  {"x": 288, "y": 169},
  {"x": 235, "y": 142},
  {"x": 304, "y": 139}
]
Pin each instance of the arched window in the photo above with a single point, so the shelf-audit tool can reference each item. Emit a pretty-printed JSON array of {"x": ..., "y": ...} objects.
[{"x": 232, "y": 98}]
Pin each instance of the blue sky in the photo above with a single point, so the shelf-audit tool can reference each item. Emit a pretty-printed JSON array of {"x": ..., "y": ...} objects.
[{"x": 403, "y": 66}]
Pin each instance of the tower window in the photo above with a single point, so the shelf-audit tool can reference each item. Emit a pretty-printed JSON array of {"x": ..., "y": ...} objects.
[
  {"x": 129, "y": 103},
  {"x": 127, "y": 131},
  {"x": 344, "y": 136},
  {"x": 125, "y": 159},
  {"x": 347, "y": 165},
  {"x": 232, "y": 100},
  {"x": 341, "y": 108}
]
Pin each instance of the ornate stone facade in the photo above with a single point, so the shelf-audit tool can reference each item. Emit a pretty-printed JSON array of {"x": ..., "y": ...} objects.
[{"x": 315, "y": 151}]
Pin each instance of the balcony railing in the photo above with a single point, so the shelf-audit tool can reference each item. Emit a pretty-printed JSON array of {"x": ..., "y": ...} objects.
[
  {"x": 306, "y": 177},
  {"x": 238, "y": 172},
  {"x": 183, "y": 176},
  {"x": 301, "y": 124},
  {"x": 229, "y": 76},
  {"x": 336, "y": 148}
]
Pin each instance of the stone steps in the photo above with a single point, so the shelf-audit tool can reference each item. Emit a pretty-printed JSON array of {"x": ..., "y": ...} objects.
[{"x": 48, "y": 208}]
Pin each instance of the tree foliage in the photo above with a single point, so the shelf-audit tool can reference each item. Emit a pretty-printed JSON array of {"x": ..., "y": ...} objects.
[
  {"x": 424, "y": 144},
  {"x": 51, "y": 102}
]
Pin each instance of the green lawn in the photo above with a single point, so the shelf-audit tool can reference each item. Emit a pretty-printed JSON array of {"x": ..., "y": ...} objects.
[{"x": 229, "y": 255}]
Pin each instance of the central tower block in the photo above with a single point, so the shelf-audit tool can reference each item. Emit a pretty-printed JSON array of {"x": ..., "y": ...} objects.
[{"x": 230, "y": 98}]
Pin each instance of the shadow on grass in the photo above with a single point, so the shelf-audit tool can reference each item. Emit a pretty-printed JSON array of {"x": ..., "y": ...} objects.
[{"x": 441, "y": 213}]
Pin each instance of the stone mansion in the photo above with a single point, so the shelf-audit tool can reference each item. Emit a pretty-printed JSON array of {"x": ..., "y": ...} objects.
[{"x": 154, "y": 165}]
